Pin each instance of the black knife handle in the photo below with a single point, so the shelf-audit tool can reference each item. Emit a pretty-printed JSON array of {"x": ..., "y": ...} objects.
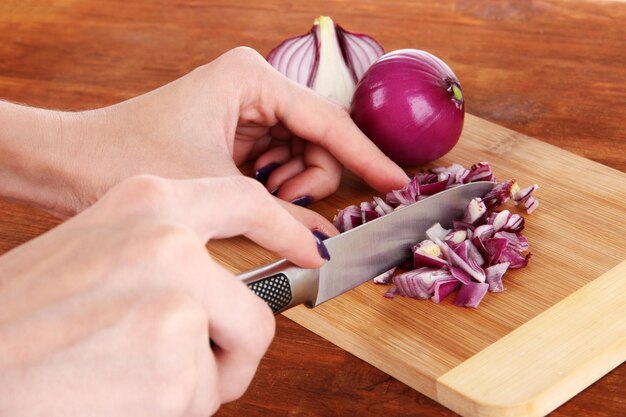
[
  {"x": 275, "y": 290},
  {"x": 283, "y": 285}
]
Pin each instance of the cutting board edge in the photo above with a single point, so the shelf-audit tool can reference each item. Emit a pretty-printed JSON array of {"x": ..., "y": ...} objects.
[{"x": 593, "y": 359}]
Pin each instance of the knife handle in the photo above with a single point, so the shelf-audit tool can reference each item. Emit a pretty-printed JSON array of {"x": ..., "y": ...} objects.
[{"x": 282, "y": 285}]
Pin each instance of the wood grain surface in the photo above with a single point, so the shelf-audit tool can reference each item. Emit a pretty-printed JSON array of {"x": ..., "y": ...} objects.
[{"x": 554, "y": 70}]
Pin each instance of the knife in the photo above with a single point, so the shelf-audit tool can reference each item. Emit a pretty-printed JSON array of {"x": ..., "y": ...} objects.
[{"x": 360, "y": 254}]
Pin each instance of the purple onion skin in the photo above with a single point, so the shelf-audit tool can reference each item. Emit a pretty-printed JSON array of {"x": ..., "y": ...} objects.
[{"x": 406, "y": 105}]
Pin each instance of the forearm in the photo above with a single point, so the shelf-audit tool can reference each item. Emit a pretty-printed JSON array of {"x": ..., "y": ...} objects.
[{"x": 31, "y": 147}]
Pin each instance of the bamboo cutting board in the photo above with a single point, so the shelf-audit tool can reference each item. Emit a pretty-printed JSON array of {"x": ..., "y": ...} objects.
[{"x": 559, "y": 326}]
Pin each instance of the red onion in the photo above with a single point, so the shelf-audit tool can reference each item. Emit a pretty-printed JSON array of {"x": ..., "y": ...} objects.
[
  {"x": 474, "y": 254},
  {"x": 410, "y": 104},
  {"x": 328, "y": 59}
]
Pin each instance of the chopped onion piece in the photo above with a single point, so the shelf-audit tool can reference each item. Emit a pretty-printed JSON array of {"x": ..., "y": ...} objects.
[
  {"x": 494, "y": 276},
  {"x": 348, "y": 218},
  {"x": 420, "y": 282},
  {"x": 499, "y": 195},
  {"x": 443, "y": 288},
  {"x": 495, "y": 248},
  {"x": 471, "y": 294},
  {"x": 436, "y": 232},
  {"x": 385, "y": 277},
  {"x": 457, "y": 236},
  {"x": 427, "y": 253},
  {"x": 475, "y": 211},
  {"x": 475, "y": 254},
  {"x": 460, "y": 275},
  {"x": 384, "y": 207}
]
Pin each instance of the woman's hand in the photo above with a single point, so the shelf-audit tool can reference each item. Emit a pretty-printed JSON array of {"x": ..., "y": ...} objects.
[
  {"x": 206, "y": 124},
  {"x": 111, "y": 313}
]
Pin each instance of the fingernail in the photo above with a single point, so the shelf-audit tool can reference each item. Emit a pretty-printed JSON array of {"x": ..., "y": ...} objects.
[
  {"x": 264, "y": 173},
  {"x": 274, "y": 192},
  {"x": 319, "y": 234},
  {"x": 321, "y": 248},
  {"x": 302, "y": 201}
]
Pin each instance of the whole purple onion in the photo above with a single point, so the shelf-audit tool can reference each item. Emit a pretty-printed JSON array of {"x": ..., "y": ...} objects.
[{"x": 410, "y": 104}]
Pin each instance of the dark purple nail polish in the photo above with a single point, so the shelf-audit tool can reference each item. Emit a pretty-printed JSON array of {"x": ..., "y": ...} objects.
[
  {"x": 264, "y": 172},
  {"x": 302, "y": 201},
  {"x": 321, "y": 248},
  {"x": 319, "y": 234},
  {"x": 274, "y": 192}
]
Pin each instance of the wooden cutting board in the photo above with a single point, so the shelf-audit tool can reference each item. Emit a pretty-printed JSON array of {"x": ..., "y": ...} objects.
[{"x": 559, "y": 326}]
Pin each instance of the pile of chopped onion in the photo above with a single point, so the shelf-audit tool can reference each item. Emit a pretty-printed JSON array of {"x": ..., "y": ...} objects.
[{"x": 472, "y": 256}]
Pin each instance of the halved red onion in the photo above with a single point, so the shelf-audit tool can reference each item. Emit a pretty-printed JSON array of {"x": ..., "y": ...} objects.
[
  {"x": 328, "y": 59},
  {"x": 470, "y": 295}
]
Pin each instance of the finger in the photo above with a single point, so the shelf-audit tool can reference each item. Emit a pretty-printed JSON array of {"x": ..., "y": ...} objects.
[
  {"x": 280, "y": 132},
  {"x": 241, "y": 326},
  {"x": 297, "y": 146},
  {"x": 206, "y": 397},
  {"x": 271, "y": 159},
  {"x": 316, "y": 119},
  {"x": 310, "y": 219},
  {"x": 319, "y": 179},
  {"x": 259, "y": 147},
  {"x": 289, "y": 169},
  {"x": 231, "y": 206}
]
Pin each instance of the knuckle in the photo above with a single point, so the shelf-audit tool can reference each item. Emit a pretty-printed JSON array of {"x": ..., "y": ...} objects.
[
  {"x": 142, "y": 192},
  {"x": 171, "y": 323},
  {"x": 168, "y": 239},
  {"x": 245, "y": 55},
  {"x": 175, "y": 316}
]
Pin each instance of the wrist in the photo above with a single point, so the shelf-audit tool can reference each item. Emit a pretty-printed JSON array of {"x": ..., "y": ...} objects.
[{"x": 37, "y": 150}]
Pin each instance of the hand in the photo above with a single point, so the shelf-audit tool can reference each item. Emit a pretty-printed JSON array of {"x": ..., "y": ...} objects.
[
  {"x": 206, "y": 124},
  {"x": 110, "y": 314}
]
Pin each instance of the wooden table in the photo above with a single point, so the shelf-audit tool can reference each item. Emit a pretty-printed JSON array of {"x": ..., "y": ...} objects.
[{"x": 551, "y": 69}]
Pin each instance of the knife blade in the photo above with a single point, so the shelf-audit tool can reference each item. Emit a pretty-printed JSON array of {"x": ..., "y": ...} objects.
[{"x": 360, "y": 254}]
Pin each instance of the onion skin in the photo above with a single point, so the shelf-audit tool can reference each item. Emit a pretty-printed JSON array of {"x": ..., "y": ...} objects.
[{"x": 410, "y": 104}]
